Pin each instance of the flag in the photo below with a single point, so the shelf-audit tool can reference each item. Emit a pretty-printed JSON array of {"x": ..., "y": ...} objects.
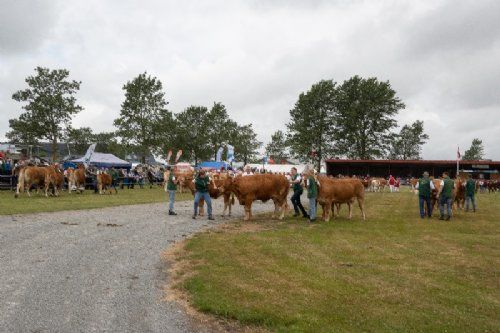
[
  {"x": 88, "y": 155},
  {"x": 458, "y": 153},
  {"x": 179, "y": 153},
  {"x": 230, "y": 153},
  {"x": 169, "y": 155},
  {"x": 219, "y": 154}
]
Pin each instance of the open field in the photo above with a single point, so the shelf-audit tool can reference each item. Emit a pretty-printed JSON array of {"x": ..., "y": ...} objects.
[
  {"x": 39, "y": 203},
  {"x": 392, "y": 273}
]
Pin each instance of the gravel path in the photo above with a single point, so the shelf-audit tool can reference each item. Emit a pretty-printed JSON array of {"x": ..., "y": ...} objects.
[{"x": 96, "y": 270}]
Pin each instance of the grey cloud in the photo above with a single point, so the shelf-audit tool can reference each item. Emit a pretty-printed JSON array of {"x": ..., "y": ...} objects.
[{"x": 24, "y": 24}]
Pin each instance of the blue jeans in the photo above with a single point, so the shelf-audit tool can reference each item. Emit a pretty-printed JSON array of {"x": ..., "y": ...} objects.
[
  {"x": 312, "y": 208},
  {"x": 468, "y": 199},
  {"x": 427, "y": 201},
  {"x": 171, "y": 200},
  {"x": 442, "y": 202},
  {"x": 206, "y": 196}
]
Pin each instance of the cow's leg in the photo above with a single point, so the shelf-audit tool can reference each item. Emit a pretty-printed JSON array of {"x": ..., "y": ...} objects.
[
  {"x": 248, "y": 210},
  {"x": 284, "y": 207},
  {"x": 276, "y": 208},
  {"x": 327, "y": 211},
  {"x": 226, "y": 204},
  {"x": 350, "y": 210},
  {"x": 361, "y": 204}
]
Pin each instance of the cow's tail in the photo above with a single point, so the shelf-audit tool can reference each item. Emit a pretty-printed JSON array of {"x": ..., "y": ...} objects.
[{"x": 20, "y": 183}]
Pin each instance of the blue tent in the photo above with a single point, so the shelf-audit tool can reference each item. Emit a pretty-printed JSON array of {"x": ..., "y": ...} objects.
[
  {"x": 102, "y": 160},
  {"x": 213, "y": 165}
]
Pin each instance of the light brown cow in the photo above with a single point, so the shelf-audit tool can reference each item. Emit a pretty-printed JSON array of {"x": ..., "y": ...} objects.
[
  {"x": 104, "y": 183},
  {"x": 54, "y": 177},
  {"x": 30, "y": 176},
  {"x": 459, "y": 193},
  {"x": 76, "y": 178},
  {"x": 214, "y": 190},
  {"x": 333, "y": 191},
  {"x": 259, "y": 187}
]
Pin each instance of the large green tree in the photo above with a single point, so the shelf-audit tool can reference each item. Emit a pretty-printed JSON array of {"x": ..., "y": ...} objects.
[
  {"x": 365, "y": 110},
  {"x": 191, "y": 133},
  {"x": 407, "y": 144},
  {"x": 244, "y": 140},
  {"x": 219, "y": 129},
  {"x": 50, "y": 106},
  {"x": 475, "y": 152},
  {"x": 277, "y": 148},
  {"x": 311, "y": 128},
  {"x": 79, "y": 139},
  {"x": 141, "y": 113}
]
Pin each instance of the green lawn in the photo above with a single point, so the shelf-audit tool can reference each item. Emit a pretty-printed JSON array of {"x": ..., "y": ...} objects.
[
  {"x": 392, "y": 273},
  {"x": 39, "y": 203}
]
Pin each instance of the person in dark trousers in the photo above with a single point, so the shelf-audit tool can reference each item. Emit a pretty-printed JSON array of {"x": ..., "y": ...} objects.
[
  {"x": 312, "y": 194},
  {"x": 445, "y": 196},
  {"x": 470, "y": 189},
  {"x": 425, "y": 186},
  {"x": 114, "y": 178},
  {"x": 171, "y": 188},
  {"x": 201, "y": 186},
  {"x": 297, "y": 192}
]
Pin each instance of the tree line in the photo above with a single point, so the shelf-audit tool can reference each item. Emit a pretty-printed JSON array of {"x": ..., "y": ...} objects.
[
  {"x": 354, "y": 119},
  {"x": 145, "y": 126}
]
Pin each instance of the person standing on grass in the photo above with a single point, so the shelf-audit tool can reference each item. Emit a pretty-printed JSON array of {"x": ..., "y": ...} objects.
[
  {"x": 424, "y": 187},
  {"x": 445, "y": 196},
  {"x": 392, "y": 182},
  {"x": 171, "y": 189},
  {"x": 312, "y": 194},
  {"x": 470, "y": 188},
  {"x": 201, "y": 185},
  {"x": 296, "y": 181}
]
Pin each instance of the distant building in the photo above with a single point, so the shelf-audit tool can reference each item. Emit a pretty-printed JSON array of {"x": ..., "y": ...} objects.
[{"x": 410, "y": 168}]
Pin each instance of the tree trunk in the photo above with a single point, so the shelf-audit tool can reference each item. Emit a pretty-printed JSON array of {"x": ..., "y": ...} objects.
[{"x": 54, "y": 150}]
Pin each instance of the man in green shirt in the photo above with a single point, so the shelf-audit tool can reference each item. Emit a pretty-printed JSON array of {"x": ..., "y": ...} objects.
[
  {"x": 312, "y": 194},
  {"x": 445, "y": 196},
  {"x": 296, "y": 181},
  {"x": 470, "y": 189},
  {"x": 171, "y": 188},
  {"x": 425, "y": 186},
  {"x": 201, "y": 183}
]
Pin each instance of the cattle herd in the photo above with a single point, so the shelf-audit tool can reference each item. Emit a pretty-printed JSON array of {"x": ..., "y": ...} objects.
[{"x": 332, "y": 192}]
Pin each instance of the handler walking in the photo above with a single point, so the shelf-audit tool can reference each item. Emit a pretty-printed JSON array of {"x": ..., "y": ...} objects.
[
  {"x": 470, "y": 189},
  {"x": 171, "y": 188},
  {"x": 445, "y": 196},
  {"x": 312, "y": 194},
  {"x": 297, "y": 192},
  {"x": 201, "y": 185},
  {"x": 424, "y": 186}
]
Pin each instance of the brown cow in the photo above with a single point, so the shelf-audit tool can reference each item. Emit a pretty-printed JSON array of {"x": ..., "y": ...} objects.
[
  {"x": 54, "y": 177},
  {"x": 259, "y": 187},
  {"x": 104, "y": 182},
  {"x": 76, "y": 178},
  {"x": 338, "y": 191},
  {"x": 459, "y": 193},
  {"x": 214, "y": 190},
  {"x": 30, "y": 176}
]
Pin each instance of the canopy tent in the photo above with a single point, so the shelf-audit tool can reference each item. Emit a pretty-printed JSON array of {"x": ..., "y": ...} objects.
[
  {"x": 102, "y": 160},
  {"x": 211, "y": 165}
]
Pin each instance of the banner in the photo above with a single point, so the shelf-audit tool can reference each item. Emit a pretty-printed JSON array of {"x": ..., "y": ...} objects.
[
  {"x": 88, "y": 155},
  {"x": 230, "y": 153},
  {"x": 169, "y": 155},
  {"x": 179, "y": 153},
  {"x": 219, "y": 154}
]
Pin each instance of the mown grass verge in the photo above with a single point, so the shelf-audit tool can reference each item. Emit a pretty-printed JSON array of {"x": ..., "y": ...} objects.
[
  {"x": 87, "y": 200},
  {"x": 392, "y": 273}
]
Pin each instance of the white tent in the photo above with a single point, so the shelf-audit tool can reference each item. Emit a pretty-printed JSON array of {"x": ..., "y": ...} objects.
[{"x": 102, "y": 160}]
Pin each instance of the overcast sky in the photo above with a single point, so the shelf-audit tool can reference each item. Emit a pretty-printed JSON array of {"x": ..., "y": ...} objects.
[{"x": 442, "y": 57}]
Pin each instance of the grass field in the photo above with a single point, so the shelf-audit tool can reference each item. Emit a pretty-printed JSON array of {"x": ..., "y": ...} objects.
[
  {"x": 39, "y": 203},
  {"x": 392, "y": 273}
]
